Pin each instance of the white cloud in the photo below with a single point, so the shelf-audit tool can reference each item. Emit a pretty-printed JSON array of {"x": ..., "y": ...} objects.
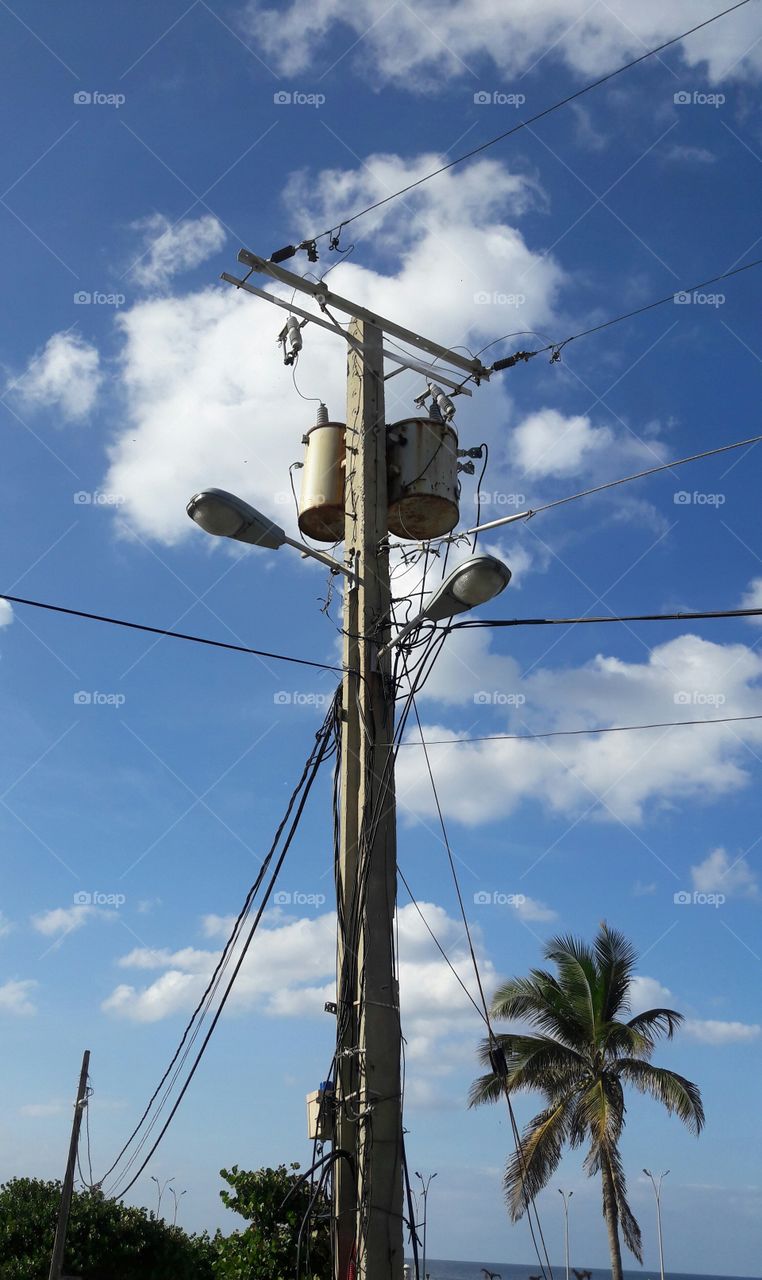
[
  {"x": 548, "y": 444},
  {"x": 42, "y": 1110},
  {"x": 431, "y": 46},
  {"x": 642, "y": 889},
  {"x": 63, "y": 920},
  {"x": 719, "y": 873},
  {"x": 6, "y": 614},
  {"x": 613, "y": 775},
  {"x": 648, "y": 993},
  {"x": 752, "y": 599},
  {"x": 709, "y": 1031},
  {"x": 208, "y": 400},
  {"x": 691, "y": 155},
  {"x": 66, "y": 375},
  {"x": 171, "y": 248},
  {"x": 6, "y": 925},
  {"x": 289, "y": 972},
  {"x": 531, "y": 909},
  {"x": 15, "y": 997}
]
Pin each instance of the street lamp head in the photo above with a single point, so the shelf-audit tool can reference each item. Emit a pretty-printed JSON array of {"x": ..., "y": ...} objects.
[
  {"x": 472, "y": 583},
  {"x": 226, "y": 516}
]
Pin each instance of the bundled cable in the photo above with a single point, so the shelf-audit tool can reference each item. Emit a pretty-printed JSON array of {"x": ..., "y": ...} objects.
[{"x": 233, "y": 953}]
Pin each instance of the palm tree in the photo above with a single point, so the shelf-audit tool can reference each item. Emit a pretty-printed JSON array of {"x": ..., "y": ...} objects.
[{"x": 580, "y": 1053}]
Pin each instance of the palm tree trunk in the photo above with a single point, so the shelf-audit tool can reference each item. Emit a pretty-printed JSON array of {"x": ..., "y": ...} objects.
[{"x": 612, "y": 1219}]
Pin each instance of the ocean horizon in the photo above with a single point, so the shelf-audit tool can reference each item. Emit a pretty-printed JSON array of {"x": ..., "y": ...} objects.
[{"x": 455, "y": 1269}]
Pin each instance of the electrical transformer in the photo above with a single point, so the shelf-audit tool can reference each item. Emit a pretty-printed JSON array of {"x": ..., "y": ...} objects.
[{"x": 422, "y": 478}]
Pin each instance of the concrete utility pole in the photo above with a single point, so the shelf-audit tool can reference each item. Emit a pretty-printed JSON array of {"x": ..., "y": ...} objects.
[
  {"x": 368, "y": 1198},
  {"x": 59, "y": 1244},
  {"x": 367, "y": 1173}
]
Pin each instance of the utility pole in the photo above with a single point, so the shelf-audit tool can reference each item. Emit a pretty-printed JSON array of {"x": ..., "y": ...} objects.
[
  {"x": 657, "y": 1192},
  {"x": 59, "y": 1244},
  {"x": 368, "y": 1196},
  {"x": 566, "y": 1196},
  {"x": 367, "y": 1171}
]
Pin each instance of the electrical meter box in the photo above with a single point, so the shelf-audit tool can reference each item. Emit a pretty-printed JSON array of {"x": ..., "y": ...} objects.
[{"x": 320, "y": 1115}]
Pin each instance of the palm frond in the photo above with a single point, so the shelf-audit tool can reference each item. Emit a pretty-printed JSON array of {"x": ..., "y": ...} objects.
[
  {"x": 654, "y": 1023},
  {"x": 578, "y": 979},
  {"x": 625, "y": 1216},
  {"x": 541, "y": 1001},
  {"x": 615, "y": 959},
  {"x": 533, "y": 1063},
  {"x": 619, "y": 1040},
  {"x": 532, "y": 1166},
  {"x": 681, "y": 1097}
]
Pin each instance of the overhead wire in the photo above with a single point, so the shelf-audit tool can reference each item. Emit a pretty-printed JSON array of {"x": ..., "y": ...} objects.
[
  {"x": 610, "y": 484},
  {"x": 476, "y": 623},
  {"x": 574, "y": 733},
  {"x": 295, "y": 806},
  {"x": 529, "y": 1201},
  {"x": 336, "y": 228},
  {"x": 173, "y": 635},
  {"x": 557, "y": 347}
]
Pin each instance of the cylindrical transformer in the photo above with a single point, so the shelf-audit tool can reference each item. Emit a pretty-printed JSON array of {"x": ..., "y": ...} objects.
[
  {"x": 422, "y": 478},
  {"x": 321, "y": 504}
]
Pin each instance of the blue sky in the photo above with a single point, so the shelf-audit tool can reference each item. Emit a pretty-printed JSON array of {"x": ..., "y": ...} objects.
[{"x": 164, "y": 789}]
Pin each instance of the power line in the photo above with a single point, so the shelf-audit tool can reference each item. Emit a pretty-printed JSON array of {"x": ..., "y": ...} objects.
[
  {"x": 573, "y": 733},
  {"x": 609, "y": 484},
  {"x": 335, "y": 230},
  {"x": 304, "y": 785},
  {"x": 630, "y": 617},
  {"x": 557, "y": 347},
  {"x": 174, "y": 635},
  {"x": 529, "y": 1201}
]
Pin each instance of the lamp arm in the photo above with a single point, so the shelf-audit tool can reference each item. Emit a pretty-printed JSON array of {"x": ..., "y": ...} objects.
[{"x": 322, "y": 556}]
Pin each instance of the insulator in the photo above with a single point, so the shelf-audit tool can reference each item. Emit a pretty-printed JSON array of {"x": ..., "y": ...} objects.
[
  {"x": 293, "y": 335},
  {"x": 445, "y": 404}
]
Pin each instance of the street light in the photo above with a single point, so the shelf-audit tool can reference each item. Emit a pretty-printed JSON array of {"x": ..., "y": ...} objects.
[
  {"x": 566, "y": 1196},
  {"x": 161, "y": 1188},
  {"x": 225, "y": 515},
  {"x": 177, "y": 1198},
  {"x": 425, "y": 1184},
  {"x": 657, "y": 1192},
  {"x": 473, "y": 583}
]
